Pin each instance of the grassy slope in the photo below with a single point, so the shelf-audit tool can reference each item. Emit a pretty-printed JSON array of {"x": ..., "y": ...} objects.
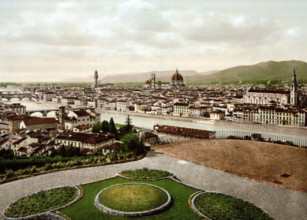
[
  {"x": 270, "y": 70},
  {"x": 132, "y": 198},
  {"x": 86, "y": 209}
]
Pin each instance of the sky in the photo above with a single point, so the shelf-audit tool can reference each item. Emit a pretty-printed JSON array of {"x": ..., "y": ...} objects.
[{"x": 64, "y": 39}]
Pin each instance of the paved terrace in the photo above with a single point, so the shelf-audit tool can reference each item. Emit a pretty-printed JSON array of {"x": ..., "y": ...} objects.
[{"x": 278, "y": 202}]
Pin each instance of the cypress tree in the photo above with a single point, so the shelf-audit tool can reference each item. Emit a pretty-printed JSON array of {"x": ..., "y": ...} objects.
[{"x": 112, "y": 127}]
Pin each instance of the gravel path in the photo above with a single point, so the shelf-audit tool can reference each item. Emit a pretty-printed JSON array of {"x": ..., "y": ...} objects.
[{"x": 278, "y": 202}]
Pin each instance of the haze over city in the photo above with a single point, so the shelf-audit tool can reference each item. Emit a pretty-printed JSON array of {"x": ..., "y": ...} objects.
[{"x": 58, "y": 40}]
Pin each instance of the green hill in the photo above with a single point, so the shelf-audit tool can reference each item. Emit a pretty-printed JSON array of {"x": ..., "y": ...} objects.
[{"x": 275, "y": 72}]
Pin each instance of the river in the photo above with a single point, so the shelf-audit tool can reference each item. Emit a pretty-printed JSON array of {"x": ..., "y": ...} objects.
[{"x": 149, "y": 122}]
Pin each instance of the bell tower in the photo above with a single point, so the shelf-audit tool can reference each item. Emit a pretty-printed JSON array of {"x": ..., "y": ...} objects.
[
  {"x": 96, "y": 78},
  {"x": 293, "y": 90},
  {"x": 153, "y": 81}
]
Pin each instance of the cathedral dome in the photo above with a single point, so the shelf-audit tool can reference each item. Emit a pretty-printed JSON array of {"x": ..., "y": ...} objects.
[{"x": 177, "y": 76}]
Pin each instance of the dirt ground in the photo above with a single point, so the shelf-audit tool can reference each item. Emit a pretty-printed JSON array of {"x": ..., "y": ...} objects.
[{"x": 275, "y": 164}]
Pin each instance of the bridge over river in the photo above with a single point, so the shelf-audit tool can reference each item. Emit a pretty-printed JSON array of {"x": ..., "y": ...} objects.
[
  {"x": 45, "y": 112},
  {"x": 19, "y": 96}
]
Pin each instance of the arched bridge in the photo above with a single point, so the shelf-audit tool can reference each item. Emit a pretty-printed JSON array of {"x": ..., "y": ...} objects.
[
  {"x": 19, "y": 96},
  {"x": 43, "y": 111},
  {"x": 46, "y": 111}
]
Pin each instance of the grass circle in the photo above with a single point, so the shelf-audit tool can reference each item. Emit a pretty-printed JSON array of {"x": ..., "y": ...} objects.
[
  {"x": 41, "y": 202},
  {"x": 220, "y": 206},
  {"x": 133, "y": 197},
  {"x": 145, "y": 174}
]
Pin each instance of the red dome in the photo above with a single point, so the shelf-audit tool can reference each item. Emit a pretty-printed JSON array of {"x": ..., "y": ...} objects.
[{"x": 177, "y": 76}]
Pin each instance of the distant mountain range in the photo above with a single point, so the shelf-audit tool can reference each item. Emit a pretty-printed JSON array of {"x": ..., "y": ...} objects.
[{"x": 270, "y": 70}]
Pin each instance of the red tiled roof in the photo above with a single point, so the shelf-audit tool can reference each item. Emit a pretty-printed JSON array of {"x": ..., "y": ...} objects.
[
  {"x": 114, "y": 146},
  {"x": 40, "y": 121},
  {"x": 3, "y": 141},
  {"x": 86, "y": 138},
  {"x": 81, "y": 113},
  {"x": 149, "y": 135},
  {"x": 22, "y": 149},
  {"x": 20, "y": 140}
]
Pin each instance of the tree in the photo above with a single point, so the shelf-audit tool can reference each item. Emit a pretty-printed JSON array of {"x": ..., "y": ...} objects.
[
  {"x": 131, "y": 143},
  {"x": 6, "y": 154},
  {"x": 105, "y": 126},
  {"x": 128, "y": 126},
  {"x": 96, "y": 127},
  {"x": 112, "y": 127}
]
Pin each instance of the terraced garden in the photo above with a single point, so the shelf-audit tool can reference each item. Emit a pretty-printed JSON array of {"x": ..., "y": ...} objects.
[{"x": 121, "y": 194}]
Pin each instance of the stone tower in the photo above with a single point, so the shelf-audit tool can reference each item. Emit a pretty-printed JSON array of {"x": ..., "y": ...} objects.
[
  {"x": 96, "y": 78},
  {"x": 293, "y": 90},
  {"x": 153, "y": 81},
  {"x": 62, "y": 117}
]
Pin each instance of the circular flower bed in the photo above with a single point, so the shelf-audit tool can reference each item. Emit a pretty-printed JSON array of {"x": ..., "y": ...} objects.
[
  {"x": 220, "y": 206},
  {"x": 145, "y": 174},
  {"x": 41, "y": 202},
  {"x": 133, "y": 199}
]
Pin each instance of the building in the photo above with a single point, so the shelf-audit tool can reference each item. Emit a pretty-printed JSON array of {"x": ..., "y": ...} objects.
[
  {"x": 99, "y": 87},
  {"x": 48, "y": 96},
  {"x": 181, "y": 109},
  {"x": 121, "y": 105},
  {"x": 270, "y": 96},
  {"x": 266, "y": 96},
  {"x": 14, "y": 122},
  {"x": 5, "y": 143},
  {"x": 293, "y": 90},
  {"x": 177, "y": 80},
  {"x": 96, "y": 79},
  {"x": 199, "y": 111},
  {"x": 89, "y": 141},
  {"x": 76, "y": 118},
  {"x": 16, "y": 107},
  {"x": 217, "y": 115},
  {"x": 39, "y": 123},
  {"x": 153, "y": 81},
  {"x": 279, "y": 116}
]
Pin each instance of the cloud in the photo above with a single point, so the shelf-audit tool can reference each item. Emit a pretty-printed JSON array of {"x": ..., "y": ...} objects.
[{"x": 60, "y": 38}]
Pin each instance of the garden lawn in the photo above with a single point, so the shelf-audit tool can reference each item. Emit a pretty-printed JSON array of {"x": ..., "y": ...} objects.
[
  {"x": 133, "y": 198},
  {"x": 85, "y": 208},
  {"x": 219, "y": 206},
  {"x": 41, "y": 202}
]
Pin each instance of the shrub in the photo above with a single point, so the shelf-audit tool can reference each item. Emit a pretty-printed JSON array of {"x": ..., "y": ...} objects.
[
  {"x": 9, "y": 174},
  {"x": 33, "y": 169},
  {"x": 48, "y": 166}
]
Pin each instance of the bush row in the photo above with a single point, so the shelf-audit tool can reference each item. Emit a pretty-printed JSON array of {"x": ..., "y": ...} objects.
[
  {"x": 10, "y": 174},
  {"x": 15, "y": 164}
]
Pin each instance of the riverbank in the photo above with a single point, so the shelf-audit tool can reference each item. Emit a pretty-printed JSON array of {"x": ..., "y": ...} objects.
[{"x": 274, "y": 129}]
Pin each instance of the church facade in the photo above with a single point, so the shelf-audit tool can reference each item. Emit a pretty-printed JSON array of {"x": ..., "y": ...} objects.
[{"x": 269, "y": 96}]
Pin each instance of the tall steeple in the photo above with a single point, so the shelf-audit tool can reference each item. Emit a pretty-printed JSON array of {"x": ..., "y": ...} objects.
[
  {"x": 96, "y": 78},
  {"x": 293, "y": 90}
]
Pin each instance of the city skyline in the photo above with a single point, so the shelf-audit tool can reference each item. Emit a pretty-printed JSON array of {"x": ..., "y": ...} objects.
[{"x": 59, "y": 40}]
